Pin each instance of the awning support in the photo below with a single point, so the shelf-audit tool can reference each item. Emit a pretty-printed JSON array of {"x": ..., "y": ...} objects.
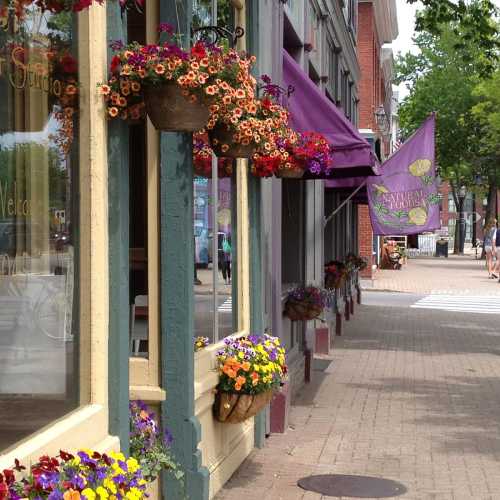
[{"x": 337, "y": 210}]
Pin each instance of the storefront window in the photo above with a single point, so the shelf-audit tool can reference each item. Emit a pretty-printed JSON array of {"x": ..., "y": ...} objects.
[
  {"x": 39, "y": 173},
  {"x": 213, "y": 259}
]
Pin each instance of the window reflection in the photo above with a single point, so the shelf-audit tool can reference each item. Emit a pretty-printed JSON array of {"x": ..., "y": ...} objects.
[
  {"x": 38, "y": 221},
  {"x": 213, "y": 267}
]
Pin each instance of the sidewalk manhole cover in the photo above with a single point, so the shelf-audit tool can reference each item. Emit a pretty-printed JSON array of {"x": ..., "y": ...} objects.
[{"x": 342, "y": 485}]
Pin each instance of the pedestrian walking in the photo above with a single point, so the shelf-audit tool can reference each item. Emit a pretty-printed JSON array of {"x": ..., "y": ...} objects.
[
  {"x": 490, "y": 234},
  {"x": 497, "y": 247},
  {"x": 225, "y": 260}
]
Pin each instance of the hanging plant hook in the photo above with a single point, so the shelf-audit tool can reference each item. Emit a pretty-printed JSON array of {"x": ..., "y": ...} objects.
[{"x": 212, "y": 34}]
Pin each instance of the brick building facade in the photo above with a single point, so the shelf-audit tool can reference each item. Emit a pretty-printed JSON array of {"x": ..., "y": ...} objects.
[{"x": 377, "y": 26}]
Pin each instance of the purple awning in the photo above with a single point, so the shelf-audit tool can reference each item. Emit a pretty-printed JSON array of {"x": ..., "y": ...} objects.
[{"x": 311, "y": 110}]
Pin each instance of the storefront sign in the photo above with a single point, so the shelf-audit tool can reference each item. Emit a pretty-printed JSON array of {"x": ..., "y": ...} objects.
[
  {"x": 404, "y": 199},
  {"x": 10, "y": 203}
]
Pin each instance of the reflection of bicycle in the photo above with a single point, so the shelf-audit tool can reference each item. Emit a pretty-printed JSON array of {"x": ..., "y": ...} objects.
[{"x": 38, "y": 303}]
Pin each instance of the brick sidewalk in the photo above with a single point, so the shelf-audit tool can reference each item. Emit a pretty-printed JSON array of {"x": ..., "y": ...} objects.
[
  {"x": 411, "y": 395},
  {"x": 455, "y": 275}
]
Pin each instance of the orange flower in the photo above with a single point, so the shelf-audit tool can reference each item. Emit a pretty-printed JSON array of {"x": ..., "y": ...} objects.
[
  {"x": 71, "y": 90},
  {"x": 135, "y": 86},
  {"x": 71, "y": 495},
  {"x": 125, "y": 70},
  {"x": 240, "y": 380},
  {"x": 141, "y": 72},
  {"x": 105, "y": 89},
  {"x": 246, "y": 366},
  {"x": 237, "y": 387},
  {"x": 159, "y": 69},
  {"x": 113, "y": 112}
]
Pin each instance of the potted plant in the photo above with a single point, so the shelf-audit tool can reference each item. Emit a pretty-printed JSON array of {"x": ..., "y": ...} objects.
[
  {"x": 179, "y": 85},
  {"x": 308, "y": 152},
  {"x": 305, "y": 303},
  {"x": 149, "y": 445},
  {"x": 357, "y": 262},
  {"x": 241, "y": 123},
  {"x": 251, "y": 369},
  {"x": 335, "y": 275},
  {"x": 85, "y": 475},
  {"x": 202, "y": 159}
]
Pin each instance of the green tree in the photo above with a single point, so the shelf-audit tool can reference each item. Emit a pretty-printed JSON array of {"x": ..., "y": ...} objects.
[
  {"x": 441, "y": 79},
  {"x": 471, "y": 20}
]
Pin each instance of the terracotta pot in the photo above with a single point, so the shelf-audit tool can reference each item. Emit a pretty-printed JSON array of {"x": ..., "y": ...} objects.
[
  {"x": 220, "y": 135},
  {"x": 169, "y": 110},
  {"x": 234, "y": 408},
  {"x": 290, "y": 173},
  {"x": 301, "y": 310}
]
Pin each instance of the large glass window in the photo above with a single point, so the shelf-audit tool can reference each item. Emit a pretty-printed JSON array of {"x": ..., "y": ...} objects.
[{"x": 39, "y": 315}]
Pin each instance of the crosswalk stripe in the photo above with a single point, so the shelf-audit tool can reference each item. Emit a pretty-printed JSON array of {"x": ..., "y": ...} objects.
[
  {"x": 226, "y": 306},
  {"x": 457, "y": 303}
]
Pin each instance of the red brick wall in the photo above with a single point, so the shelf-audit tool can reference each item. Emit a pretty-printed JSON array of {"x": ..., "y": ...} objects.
[
  {"x": 370, "y": 88},
  {"x": 365, "y": 239}
]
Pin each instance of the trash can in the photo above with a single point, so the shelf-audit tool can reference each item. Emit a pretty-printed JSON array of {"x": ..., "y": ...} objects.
[{"x": 442, "y": 248}]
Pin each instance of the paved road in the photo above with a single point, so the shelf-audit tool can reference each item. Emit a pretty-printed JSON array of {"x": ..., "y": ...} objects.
[{"x": 411, "y": 395}]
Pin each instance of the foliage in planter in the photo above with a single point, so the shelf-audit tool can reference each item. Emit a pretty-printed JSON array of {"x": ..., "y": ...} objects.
[
  {"x": 306, "y": 302},
  {"x": 200, "y": 343},
  {"x": 356, "y": 261},
  {"x": 268, "y": 163},
  {"x": 202, "y": 159},
  {"x": 149, "y": 445},
  {"x": 86, "y": 475},
  {"x": 313, "y": 153},
  {"x": 335, "y": 274},
  {"x": 19, "y": 8},
  {"x": 204, "y": 73},
  {"x": 251, "y": 365},
  {"x": 245, "y": 119}
]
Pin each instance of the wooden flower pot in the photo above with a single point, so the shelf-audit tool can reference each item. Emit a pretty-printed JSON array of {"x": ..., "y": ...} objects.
[
  {"x": 169, "y": 110},
  {"x": 302, "y": 310},
  {"x": 221, "y": 135},
  {"x": 290, "y": 173},
  {"x": 233, "y": 408}
]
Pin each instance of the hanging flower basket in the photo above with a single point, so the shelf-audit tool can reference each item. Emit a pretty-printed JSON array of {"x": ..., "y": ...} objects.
[
  {"x": 169, "y": 110},
  {"x": 222, "y": 142},
  {"x": 234, "y": 408},
  {"x": 290, "y": 173},
  {"x": 306, "y": 303},
  {"x": 302, "y": 310},
  {"x": 335, "y": 275},
  {"x": 250, "y": 368},
  {"x": 202, "y": 159}
]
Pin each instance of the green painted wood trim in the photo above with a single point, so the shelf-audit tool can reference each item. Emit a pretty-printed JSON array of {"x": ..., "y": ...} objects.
[
  {"x": 118, "y": 200},
  {"x": 254, "y": 199},
  {"x": 177, "y": 310},
  {"x": 256, "y": 292},
  {"x": 176, "y": 292}
]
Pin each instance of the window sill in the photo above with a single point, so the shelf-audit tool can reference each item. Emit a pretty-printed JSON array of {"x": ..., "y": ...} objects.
[
  {"x": 79, "y": 429},
  {"x": 147, "y": 393}
]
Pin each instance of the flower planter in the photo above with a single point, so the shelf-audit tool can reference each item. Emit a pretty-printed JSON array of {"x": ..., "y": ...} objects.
[
  {"x": 302, "y": 310},
  {"x": 290, "y": 173},
  {"x": 233, "y": 408},
  {"x": 334, "y": 281},
  {"x": 169, "y": 110},
  {"x": 220, "y": 135}
]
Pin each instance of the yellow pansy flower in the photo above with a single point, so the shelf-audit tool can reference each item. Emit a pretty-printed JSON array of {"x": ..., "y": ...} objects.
[
  {"x": 102, "y": 492},
  {"x": 89, "y": 494}
]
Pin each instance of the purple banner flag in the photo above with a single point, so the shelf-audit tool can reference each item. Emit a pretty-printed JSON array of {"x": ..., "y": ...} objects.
[{"x": 404, "y": 199}]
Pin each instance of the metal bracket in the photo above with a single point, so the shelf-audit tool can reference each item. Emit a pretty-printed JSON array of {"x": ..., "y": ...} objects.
[{"x": 212, "y": 34}]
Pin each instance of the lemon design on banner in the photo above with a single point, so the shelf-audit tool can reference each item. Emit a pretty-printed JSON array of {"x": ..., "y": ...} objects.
[
  {"x": 420, "y": 167},
  {"x": 417, "y": 216}
]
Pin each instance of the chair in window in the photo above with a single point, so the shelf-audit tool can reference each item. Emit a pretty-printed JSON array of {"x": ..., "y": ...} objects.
[{"x": 139, "y": 329}]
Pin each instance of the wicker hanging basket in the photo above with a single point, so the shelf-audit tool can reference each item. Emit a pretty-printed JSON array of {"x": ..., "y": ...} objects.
[
  {"x": 290, "y": 173},
  {"x": 332, "y": 281},
  {"x": 169, "y": 110},
  {"x": 233, "y": 408},
  {"x": 220, "y": 135},
  {"x": 302, "y": 310}
]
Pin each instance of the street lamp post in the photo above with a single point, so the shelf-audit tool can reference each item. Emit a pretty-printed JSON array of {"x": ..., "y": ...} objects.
[{"x": 461, "y": 220}]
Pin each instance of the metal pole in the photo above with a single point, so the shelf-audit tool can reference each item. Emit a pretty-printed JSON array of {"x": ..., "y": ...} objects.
[
  {"x": 332, "y": 215},
  {"x": 215, "y": 225}
]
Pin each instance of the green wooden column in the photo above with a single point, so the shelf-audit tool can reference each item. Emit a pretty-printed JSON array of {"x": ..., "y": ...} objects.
[
  {"x": 118, "y": 199},
  {"x": 176, "y": 291},
  {"x": 254, "y": 199}
]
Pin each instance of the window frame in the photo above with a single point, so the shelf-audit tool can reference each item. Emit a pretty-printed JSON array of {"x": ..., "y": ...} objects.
[{"x": 87, "y": 426}]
